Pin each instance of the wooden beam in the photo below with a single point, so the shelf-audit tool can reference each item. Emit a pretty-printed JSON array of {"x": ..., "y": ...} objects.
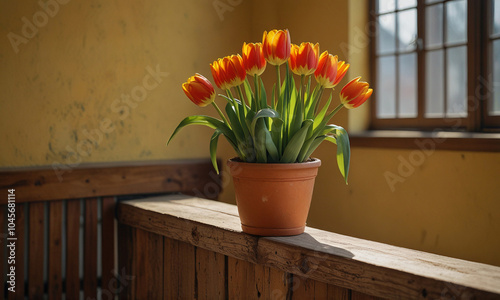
[
  {"x": 195, "y": 177},
  {"x": 363, "y": 266}
]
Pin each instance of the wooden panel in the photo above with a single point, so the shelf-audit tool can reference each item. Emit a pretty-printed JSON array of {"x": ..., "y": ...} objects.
[
  {"x": 72, "y": 249},
  {"x": 368, "y": 267},
  {"x": 360, "y": 296},
  {"x": 149, "y": 265},
  {"x": 108, "y": 247},
  {"x": 305, "y": 288},
  {"x": 55, "y": 250},
  {"x": 90, "y": 249},
  {"x": 210, "y": 274},
  {"x": 241, "y": 279},
  {"x": 126, "y": 257},
  {"x": 335, "y": 292},
  {"x": 179, "y": 270},
  {"x": 279, "y": 284},
  {"x": 195, "y": 177},
  {"x": 36, "y": 250}
]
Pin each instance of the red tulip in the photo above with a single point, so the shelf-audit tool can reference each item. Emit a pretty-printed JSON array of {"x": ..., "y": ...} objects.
[
  {"x": 199, "y": 90},
  {"x": 355, "y": 93},
  {"x": 253, "y": 58},
  {"x": 228, "y": 72},
  {"x": 276, "y": 46},
  {"x": 304, "y": 58},
  {"x": 330, "y": 71}
]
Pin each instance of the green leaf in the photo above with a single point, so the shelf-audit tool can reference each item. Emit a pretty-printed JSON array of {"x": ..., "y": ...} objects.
[
  {"x": 206, "y": 121},
  {"x": 249, "y": 93},
  {"x": 260, "y": 141},
  {"x": 341, "y": 139},
  {"x": 235, "y": 122},
  {"x": 311, "y": 147},
  {"x": 265, "y": 113},
  {"x": 321, "y": 115},
  {"x": 213, "y": 148},
  {"x": 292, "y": 149}
]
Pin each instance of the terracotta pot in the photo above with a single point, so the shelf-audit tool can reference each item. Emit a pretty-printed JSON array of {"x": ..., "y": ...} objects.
[{"x": 273, "y": 199}]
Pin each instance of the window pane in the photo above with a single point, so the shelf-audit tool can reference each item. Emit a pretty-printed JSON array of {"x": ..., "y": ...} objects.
[
  {"x": 433, "y": 1},
  {"x": 402, "y": 4},
  {"x": 434, "y": 26},
  {"x": 494, "y": 106},
  {"x": 407, "y": 86},
  {"x": 434, "y": 80},
  {"x": 407, "y": 29},
  {"x": 456, "y": 82},
  {"x": 496, "y": 16},
  {"x": 386, "y": 92},
  {"x": 456, "y": 21},
  {"x": 386, "y": 39},
  {"x": 386, "y": 6}
]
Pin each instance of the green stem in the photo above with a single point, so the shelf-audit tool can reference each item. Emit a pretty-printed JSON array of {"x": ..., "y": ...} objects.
[
  {"x": 278, "y": 88},
  {"x": 256, "y": 91},
  {"x": 235, "y": 105},
  {"x": 238, "y": 88},
  {"x": 221, "y": 114},
  {"x": 336, "y": 110}
]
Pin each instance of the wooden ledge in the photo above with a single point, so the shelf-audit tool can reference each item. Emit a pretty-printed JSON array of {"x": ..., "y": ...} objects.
[{"x": 365, "y": 266}]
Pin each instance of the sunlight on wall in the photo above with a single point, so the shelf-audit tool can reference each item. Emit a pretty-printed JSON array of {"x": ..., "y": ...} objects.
[{"x": 100, "y": 81}]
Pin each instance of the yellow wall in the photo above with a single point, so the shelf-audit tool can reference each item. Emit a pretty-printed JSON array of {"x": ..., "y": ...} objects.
[{"x": 69, "y": 77}]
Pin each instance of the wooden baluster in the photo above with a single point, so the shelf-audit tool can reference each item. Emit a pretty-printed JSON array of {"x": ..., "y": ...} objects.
[
  {"x": 72, "y": 249},
  {"x": 36, "y": 250},
  {"x": 55, "y": 250},
  {"x": 90, "y": 249},
  {"x": 149, "y": 265},
  {"x": 108, "y": 247}
]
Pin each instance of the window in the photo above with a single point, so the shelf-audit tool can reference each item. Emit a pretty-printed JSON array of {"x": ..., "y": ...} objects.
[{"x": 436, "y": 64}]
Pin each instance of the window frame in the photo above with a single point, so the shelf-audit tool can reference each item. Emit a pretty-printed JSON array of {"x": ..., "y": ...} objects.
[{"x": 478, "y": 89}]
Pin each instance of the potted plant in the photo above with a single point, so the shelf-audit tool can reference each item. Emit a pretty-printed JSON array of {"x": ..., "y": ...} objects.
[{"x": 274, "y": 134}]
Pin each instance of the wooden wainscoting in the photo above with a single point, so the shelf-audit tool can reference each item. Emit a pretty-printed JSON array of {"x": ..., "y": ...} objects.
[
  {"x": 65, "y": 222},
  {"x": 181, "y": 247}
]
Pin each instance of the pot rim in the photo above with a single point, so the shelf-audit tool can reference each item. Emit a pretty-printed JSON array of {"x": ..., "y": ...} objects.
[{"x": 311, "y": 163}]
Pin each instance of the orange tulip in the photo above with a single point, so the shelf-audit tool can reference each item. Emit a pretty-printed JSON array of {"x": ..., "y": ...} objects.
[
  {"x": 304, "y": 58},
  {"x": 355, "y": 93},
  {"x": 253, "y": 58},
  {"x": 276, "y": 46},
  {"x": 228, "y": 72},
  {"x": 330, "y": 71},
  {"x": 199, "y": 90}
]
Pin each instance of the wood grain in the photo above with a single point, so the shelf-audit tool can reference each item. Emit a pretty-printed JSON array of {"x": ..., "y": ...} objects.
[
  {"x": 55, "y": 250},
  {"x": 194, "y": 177},
  {"x": 90, "y": 249},
  {"x": 149, "y": 265},
  {"x": 367, "y": 267},
  {"x": 126, "y": 257},
  {"x": 73, "y": 249},
  {"x": 36, "y": 250},
  {"x": 179, "y": 270},
  {"x": 108, "y": 247},
  {"x": 210, "y": 274}
]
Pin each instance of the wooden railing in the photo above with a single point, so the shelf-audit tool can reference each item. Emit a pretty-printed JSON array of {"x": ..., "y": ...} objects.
[
  {"x": 49, "y": 206},
  {"x": 189, "y": 248}
]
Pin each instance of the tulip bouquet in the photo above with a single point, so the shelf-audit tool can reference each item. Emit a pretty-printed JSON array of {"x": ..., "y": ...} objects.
[{"x": 288, "y": 124}]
